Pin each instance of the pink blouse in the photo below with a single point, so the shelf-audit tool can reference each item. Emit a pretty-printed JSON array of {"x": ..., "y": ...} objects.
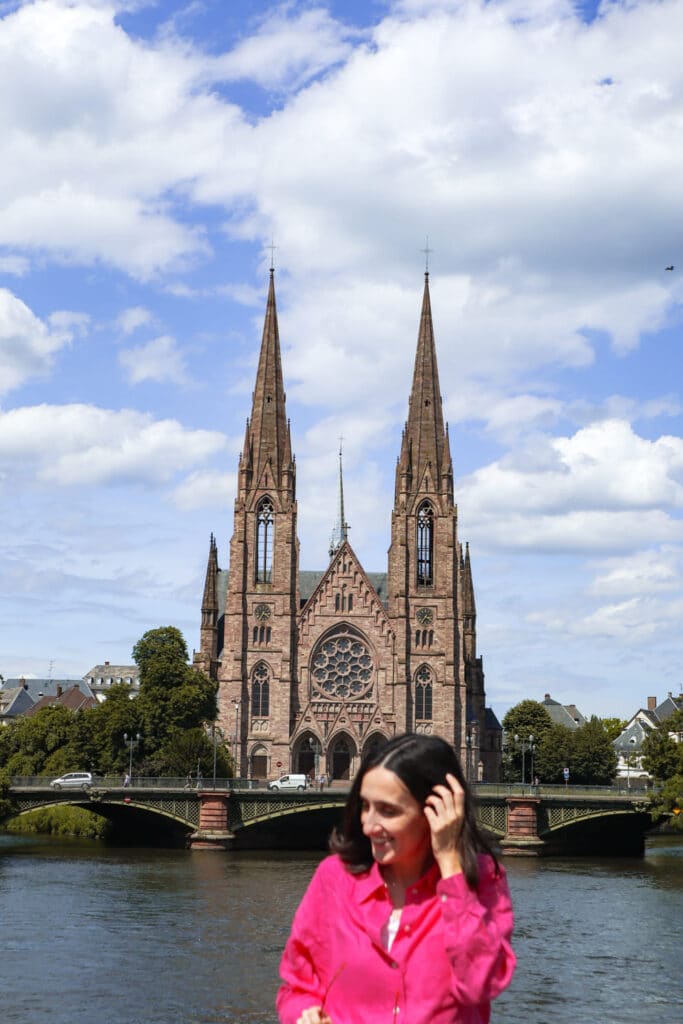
[{"x": 450, "y": 957}]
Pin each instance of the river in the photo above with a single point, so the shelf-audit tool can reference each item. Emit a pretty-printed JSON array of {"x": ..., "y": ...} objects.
[{"x": 96, "y": 934}]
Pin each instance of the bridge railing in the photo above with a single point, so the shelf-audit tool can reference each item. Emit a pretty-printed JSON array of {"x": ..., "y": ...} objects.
[
  {"x": 141, "y": 782},
  {"x": 484, "y": 789}
]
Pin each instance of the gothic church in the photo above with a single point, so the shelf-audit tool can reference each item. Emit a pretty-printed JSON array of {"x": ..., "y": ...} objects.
[{"x": 314, "y": 668}]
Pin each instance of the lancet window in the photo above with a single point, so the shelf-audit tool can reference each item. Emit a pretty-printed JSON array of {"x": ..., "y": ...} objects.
[
  {"x": 425, "y": 545},
  {"x": 260, "y": 691},
  {"x": 264, "y": 541},
  {"x": 423, "y": 694}
]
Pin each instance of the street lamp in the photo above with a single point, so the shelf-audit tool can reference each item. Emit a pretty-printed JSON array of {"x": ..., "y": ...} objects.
[
  {"x": 131, "y": 741},
  {"x": 527, "y": 744},
  {"x": 236, "y": 704},
  {"x": 215, "y": 731},
  {"x": 629, "y": 756},
  {"x": 315, "y": 747}
]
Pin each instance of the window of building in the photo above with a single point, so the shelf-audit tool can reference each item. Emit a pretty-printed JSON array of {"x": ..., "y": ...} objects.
[
  {"x": 341, "y": 666},
  {"x": 423, "y": 694},
  {"x": 425, "y": 545},
  {"x": 264, "y": 541},
  {"x": 260, "y": 691}
]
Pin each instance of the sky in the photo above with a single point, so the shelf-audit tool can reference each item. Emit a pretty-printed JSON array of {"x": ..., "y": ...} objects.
[{"x": 152, "y": 153}]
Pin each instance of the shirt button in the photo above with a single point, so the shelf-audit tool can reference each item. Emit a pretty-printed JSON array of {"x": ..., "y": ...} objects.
[
  {"x": 444, "y": 898},
  {"x": 406, "y": 928},
  {"x": 394, "y": 964}
]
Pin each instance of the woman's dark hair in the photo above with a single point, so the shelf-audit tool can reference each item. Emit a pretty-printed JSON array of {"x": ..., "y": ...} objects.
[{"x": 420, "y": 762}]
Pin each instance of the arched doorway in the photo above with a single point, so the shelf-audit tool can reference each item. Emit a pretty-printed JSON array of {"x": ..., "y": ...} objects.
[
  {"x": 259, "y": 763},
  {"x": 308, "y": 756},
  {"x": 339, "y": 758},
  {"x": 373, "y": 743}
]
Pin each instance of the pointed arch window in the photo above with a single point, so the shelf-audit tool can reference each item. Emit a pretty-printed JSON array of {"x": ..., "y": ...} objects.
[
  {"x": 425, "y": 545},
  {"x": 264, "y": 541},
  {"x": 260, "y": 691},
  {"x": 423, "y": 694}
]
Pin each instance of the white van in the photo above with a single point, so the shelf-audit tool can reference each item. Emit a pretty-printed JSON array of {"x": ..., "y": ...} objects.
[{"x": 289, "y": 782}]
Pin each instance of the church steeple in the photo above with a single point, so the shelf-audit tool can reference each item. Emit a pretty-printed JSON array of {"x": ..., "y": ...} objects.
[
  {"x": 266, "y": 460},
  {"x": 425, "y": 460},
  {"x": 208, "y": 637},
  {"x": 341, "y": 527}
]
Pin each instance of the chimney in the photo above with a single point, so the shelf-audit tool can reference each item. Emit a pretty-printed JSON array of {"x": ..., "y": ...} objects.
[
  {"x": 59, "y": 691},
  {"x": 651, "y": 703},
  {"x": 547, "y": 697},
  {"x": 106, "y": 663}
]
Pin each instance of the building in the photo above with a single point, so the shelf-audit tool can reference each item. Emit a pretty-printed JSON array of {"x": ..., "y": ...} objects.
[
  {"x": 101, "y": 678},
  {"x": 315, "y": 668},
  {"x": 563, "y": 714},
  {"x": 629, "y": 743},
  {"x": 72, "y": 698}
]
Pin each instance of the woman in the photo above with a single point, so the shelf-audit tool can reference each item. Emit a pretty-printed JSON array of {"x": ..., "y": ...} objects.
[{"x": 410, "y": 919}]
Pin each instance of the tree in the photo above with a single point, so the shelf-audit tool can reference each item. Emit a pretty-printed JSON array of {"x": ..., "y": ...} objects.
[
  {"x": 613, "y": 726},
  {"x": 174, "y": 697},
  {"x": 554, "y": 753},
  {"x": 528, "y": 718},
  {"x": 662, "y": 756},
  {"x": 594, "y": 757},
  {"x": 166, "y": 640},
  {"x": 667, "y": 802}
]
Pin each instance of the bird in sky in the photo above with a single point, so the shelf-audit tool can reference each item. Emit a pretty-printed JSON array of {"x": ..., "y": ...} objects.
[{"x": 669, "y": 268}]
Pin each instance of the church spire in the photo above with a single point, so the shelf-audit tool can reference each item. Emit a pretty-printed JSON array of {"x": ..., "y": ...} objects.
[
  {"x": 267, "y": 455},
  {"x": 340, "y": 532},
  {"x": 425, "y": 445}
]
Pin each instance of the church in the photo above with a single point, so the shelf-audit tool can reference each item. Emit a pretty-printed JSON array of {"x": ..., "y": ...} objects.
[{"x": 315, "y": 668}]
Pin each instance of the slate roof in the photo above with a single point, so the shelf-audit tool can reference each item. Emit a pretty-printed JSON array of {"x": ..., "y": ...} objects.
[
  {"x": 13, "y": 701},
  {"x": 38, "y": 688},
  {"x": 563, "y": 714},
  {"x": 73, "y": 698},
  {"x": 308, "y": 581}
]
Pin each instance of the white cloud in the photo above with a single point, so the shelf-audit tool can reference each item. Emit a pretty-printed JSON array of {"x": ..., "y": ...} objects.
[
  {"x": 156, "y": 360},
  {"x": 287, "y": 51},
  {"x": 133, "y": 318},
  {"x": 28, "y": 346},
  {"x": 643, "y": 572},
  {"x": 602, "y": 488},
  {"x": 81, "y": 445}
]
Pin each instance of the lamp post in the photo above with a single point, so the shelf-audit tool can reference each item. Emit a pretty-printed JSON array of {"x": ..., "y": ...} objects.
[
  {"x": 315, "y": 747},
  {"x": 236, "y": 704},
  {"x": 629, "y": 756},
  {"x": 468, "y": 759},
  {"x": 131, "y": 742},
  {"x": 215, "y": 732},
  {"x": 527, "y": 744}
]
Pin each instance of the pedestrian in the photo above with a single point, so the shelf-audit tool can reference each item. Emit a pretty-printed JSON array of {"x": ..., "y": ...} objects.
[
  {"x": 321, "y": 782},
  {"x": 126, "y": 780},
  {"x": 411, "y": 913},
  {"x": 188, "y": 781}
]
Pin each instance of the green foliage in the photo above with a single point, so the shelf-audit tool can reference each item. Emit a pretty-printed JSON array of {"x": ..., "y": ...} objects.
[
  {"x": 667, "y": 802},
  {"x": 555, "y": 753},
  {"x": 587, "y": 752},
  {"x": 5, "y": 802},
  {"x": 528, "y": 718},
  {"x": 594, "y": 758},
  {"x": 61, "y": 821},
  {"x": 166, "y": 640},
  {"x": 662, "y": 756},
  {"x": 174, "y": 700},
  {"x": 613, "y": 726}
]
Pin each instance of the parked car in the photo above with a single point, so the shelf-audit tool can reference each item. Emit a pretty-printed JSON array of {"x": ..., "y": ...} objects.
[
  {"x": 73, "y": 780},
  {"x": 289, "y": 782}
]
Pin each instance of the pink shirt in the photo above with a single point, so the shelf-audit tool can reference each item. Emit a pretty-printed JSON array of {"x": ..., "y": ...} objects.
[{"x": 450, "y": 957}]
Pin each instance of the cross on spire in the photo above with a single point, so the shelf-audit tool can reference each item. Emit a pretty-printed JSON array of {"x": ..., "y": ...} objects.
[
  {"x": 426, "y": 251},
  {"x": 272, "y": 248}
]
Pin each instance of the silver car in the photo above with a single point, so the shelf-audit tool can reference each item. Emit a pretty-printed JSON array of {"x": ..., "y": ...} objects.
[{"x": 73, "y": 780}]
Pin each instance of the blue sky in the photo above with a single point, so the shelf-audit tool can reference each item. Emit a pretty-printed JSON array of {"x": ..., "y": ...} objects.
[{"x": 151, "y": 153}]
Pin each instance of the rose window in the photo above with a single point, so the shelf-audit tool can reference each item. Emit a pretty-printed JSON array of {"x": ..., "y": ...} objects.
[{"x": 341, "y": 668}]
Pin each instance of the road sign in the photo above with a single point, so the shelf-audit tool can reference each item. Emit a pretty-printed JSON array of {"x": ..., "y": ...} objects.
[{"x": 278, "y": 764}]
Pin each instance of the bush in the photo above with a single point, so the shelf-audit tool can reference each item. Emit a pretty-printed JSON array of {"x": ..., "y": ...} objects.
[{"x": 61, "y": 821}]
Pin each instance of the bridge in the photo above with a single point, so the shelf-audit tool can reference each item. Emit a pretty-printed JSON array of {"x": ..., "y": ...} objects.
[{"x": 243, "y": 814}]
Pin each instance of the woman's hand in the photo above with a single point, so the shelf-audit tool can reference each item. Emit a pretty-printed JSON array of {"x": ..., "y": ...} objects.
[
  {"x": 314, "y": 1015},
  {"x": 445, "y": 812}
]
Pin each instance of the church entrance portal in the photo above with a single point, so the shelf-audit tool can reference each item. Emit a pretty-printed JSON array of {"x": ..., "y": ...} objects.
[{"x": 341, "y": 760}]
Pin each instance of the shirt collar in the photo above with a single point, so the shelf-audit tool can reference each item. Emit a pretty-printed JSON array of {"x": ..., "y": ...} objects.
[{"x": 371, "y": 882}]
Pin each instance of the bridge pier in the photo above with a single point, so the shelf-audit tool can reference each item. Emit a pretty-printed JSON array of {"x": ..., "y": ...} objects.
[
  {"x": 213, "y": 832},
  {"x": 521, "y": 838}
]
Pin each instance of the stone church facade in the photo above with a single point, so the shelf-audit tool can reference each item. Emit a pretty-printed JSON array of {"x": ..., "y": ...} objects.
[{"x": 315, "y": 668}]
